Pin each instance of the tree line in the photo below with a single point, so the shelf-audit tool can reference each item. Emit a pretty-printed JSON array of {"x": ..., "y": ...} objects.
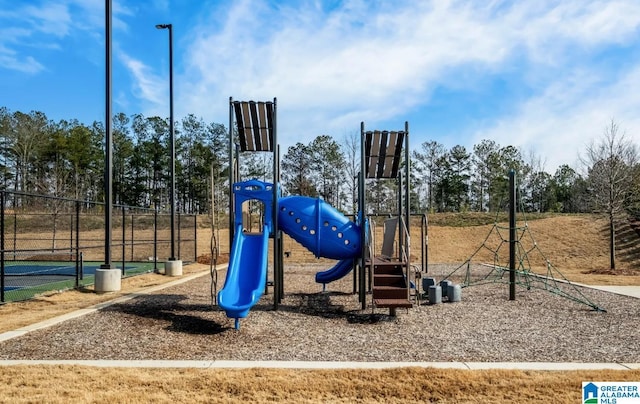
[{"x": 66, "y": 158}]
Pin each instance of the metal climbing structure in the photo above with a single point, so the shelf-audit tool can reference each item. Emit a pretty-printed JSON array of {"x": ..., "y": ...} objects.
[{"x": 518, "y": 269}]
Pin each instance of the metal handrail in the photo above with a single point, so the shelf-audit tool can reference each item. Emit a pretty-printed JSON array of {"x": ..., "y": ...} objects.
[
  {"x": 405, "y": 255},
  {"x": 372, "y": 238},
  {"x": 424, "y": 233},
  {"x": 372, "y": 250}
]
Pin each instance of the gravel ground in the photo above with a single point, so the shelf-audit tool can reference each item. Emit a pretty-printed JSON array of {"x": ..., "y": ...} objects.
[{"x": 181, "y": 323}]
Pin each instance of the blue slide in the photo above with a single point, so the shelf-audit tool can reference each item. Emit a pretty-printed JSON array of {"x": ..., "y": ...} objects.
[
  {"x": 338, "y": 271},
  {"x": 315, "y": 224},
  {"x": 246, "y": 274},
  {"x": 323, "y": 230}
]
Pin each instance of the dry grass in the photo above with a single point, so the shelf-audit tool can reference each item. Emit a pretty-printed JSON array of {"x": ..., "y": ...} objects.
[
  {"x": 574, "y": 244},
  {"x": 23, "y": 384}
]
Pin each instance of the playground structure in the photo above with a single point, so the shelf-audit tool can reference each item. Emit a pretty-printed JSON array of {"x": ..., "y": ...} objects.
[{"x": 313, "y": 223}]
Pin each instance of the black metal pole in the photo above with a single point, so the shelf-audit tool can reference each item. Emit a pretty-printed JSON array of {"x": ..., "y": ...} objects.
[
  {"x": 179, "y": 234},
  {"x": 195, "y": 238},
  {"x": 407, "y": 190},
  {"x": 124, "y": 239},
  {"x": 79, "y": 269},
  {"x": 172, "y": 143},
  {"x": 512, "y": 235},
  {"x": 232, "y": 178},
  {"x": 132, "y": 238},
  {"x": 173, "y": 148},
  {"x": 363, "y": 212},
  {"x": 155, "y": 238},
  {"x": 108, "y": 169},
  {"x": 2, "y": 196}
]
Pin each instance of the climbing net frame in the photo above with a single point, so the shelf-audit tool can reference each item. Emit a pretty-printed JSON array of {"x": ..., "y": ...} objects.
[{"x": 527, "y": 251}]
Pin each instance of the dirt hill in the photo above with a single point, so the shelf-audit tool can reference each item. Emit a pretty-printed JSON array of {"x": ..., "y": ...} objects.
[{"x": 576, "y": 245}]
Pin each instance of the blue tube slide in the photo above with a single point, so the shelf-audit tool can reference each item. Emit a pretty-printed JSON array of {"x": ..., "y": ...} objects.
[
  {"x": 338, "y": 271},
  {"x": 316, "y": 225},
  {"x": 246, "y": 274},
  {"x": 323, "y": 230}
]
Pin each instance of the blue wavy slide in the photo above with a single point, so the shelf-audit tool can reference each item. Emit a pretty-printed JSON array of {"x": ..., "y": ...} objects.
[
  {"x": 246, "y": 274},
  {"x": 338, "y": 271}
]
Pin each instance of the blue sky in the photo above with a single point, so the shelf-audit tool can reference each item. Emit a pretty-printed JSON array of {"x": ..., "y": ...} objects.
[{"x": 545, "y": 76}]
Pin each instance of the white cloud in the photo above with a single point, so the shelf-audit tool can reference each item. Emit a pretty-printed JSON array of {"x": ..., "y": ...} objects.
[
  {"x": 560, "y": 122},
  {"x": 29, "y": 28},
  {"x": 374, "y": 62},
  {"x": 148, "y": 87},
  {"x": 26, "y": 65},
  {"x": 49, "y": 19}
]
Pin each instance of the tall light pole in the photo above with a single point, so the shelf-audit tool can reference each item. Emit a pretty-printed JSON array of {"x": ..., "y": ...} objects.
[
  {"x": 172, "y": 142},
  {"x": 107, "y": 278}
]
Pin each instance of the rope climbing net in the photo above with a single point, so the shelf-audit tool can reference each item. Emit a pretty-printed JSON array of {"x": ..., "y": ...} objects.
[{"x": 533, "y": 269}]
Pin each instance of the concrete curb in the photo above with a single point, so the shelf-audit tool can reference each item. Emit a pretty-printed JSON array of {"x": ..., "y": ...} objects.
[
  {"x": 222, "y": 364},
  {"x": 631, "y": 291}
]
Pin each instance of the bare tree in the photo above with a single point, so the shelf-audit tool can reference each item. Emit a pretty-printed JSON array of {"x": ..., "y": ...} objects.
[
  {"x": 610, "y": 164},
  {"x": 484, "y": 159},
  {"x": 427, "y": 165},
  {"x": 351, "y": 150}
]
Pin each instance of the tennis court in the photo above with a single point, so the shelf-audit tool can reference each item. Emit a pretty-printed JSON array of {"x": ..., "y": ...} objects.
[
  {"x": 25, "y": 278},
  {"x": 43, "y": 240}
]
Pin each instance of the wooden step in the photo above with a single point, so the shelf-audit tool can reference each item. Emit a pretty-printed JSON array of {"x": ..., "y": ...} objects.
[
  {"x": 392, "y": 303},
  {"x": 389, "y": 292},
  {"x": 387, "y": 268},
  {"x": 388, "y": 280}
]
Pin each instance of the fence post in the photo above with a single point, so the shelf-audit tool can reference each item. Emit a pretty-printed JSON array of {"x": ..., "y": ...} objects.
[
  {"x": 79, "y": 269},
  {"x": 15, "y": 227},
  {"x": 71, "y": 235},
  {"x": 124, "y": 239},
  {"x": 512, "y": 235},
  {"x": 179, "y": 235},
  {"x": 155, "y": 238},
  {"x": 195, "y": 238},
  {"x": 132, "y": 246},
  {"x": 2, "y": 195}
]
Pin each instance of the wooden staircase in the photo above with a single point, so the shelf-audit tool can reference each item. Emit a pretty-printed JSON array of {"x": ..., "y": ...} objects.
[{"x": 390, "y": 285}]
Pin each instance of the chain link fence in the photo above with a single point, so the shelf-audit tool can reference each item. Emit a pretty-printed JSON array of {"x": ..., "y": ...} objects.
[{"x": 49, "y": 243}]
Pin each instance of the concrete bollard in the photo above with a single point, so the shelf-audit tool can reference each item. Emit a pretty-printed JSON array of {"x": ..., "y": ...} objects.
[
  {"x": 454, "y": 293},
  {"x": 108, "y": 280},
  {"x": 173, "y": 268},
  {"x": 445, "y": 286},
  {"x": 426, "y": 282},
  {"x": 435, "y": 294}
]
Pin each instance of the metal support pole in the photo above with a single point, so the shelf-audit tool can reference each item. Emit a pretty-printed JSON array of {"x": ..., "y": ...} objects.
[
  {"x": 173, "y": 149},
  {"x": 401, "y": 240},
  {"x": 195, "y": 238},
  {"x": 155, "y": 238},
  {"x": 172, "y": 143},
  {"x": 512, "y": 235},
  {"x": 79, "y": 269},
  {"x": 124, "y": 239},
  {"x": 231, "y": 174},
  {"x": 363, "y": 213},
  {"x": 407, "y": 187},
  {"x": 132, "y": 238},
  {"x": 108, "y": 169},
  {"x": 179, "y": 234},
  {"x": 2, "y": 197},
  {"x": 278, "y": 268},
  {"x": 407, "y": 204}
]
